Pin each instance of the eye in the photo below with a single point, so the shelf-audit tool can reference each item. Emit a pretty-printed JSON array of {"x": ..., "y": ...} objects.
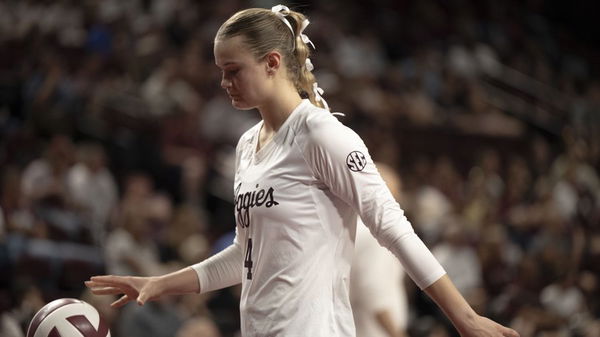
[{"x": 230, "y": 72}]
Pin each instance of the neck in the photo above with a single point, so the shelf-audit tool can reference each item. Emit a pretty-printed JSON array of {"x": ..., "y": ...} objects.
[{"x": 276, "y": 111}]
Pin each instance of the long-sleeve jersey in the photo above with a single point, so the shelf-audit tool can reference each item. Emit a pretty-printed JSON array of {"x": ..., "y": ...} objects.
[{"x": 296, "y": 206}]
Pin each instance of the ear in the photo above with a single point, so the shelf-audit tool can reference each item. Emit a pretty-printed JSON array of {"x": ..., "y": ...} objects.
[{"x": 272, "y": 61}]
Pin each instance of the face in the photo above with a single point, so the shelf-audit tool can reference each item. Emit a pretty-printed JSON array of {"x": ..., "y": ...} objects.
[{"x": 243, "y": 76}]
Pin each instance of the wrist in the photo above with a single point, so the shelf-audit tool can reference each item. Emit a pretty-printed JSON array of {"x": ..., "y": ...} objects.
[
  {"x": 466, "y": 321},
  {"x": 183, "y": 281},
  {"x": 160, "y": 283}
]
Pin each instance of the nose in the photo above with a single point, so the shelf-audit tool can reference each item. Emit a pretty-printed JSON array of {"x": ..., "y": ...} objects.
[{"x": 225, "y": 83}]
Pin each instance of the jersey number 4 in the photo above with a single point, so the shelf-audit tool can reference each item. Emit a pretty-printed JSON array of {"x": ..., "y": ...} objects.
[{"x": 248, "y": 259}]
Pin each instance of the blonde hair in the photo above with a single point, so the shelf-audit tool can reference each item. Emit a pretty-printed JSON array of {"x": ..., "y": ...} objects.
[{"x": 263, "y": 31}]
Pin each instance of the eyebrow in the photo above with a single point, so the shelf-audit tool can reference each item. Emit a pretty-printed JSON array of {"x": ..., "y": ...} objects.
[{"x": 226, "y": 64}]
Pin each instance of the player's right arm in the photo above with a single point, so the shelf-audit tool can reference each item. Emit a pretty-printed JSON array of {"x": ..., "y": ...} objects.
[
  {"x": 222, "y": 270},
  {"x": 143, "y": 289}
]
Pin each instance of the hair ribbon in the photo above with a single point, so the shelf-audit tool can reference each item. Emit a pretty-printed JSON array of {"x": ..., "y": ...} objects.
[{"x": 282, "y": 11}]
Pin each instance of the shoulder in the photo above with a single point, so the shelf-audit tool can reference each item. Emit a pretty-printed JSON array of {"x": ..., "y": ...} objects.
[
  {"x": 319, "y": 119},
  {"x": 326, "y": 142},
  {"x": 318, "y": 126}
]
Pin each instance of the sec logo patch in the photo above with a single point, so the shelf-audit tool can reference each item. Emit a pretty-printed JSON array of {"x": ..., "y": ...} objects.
[{"x": 356, "y": 161}]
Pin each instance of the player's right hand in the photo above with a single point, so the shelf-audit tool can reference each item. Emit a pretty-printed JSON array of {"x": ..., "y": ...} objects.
[{"x": 139, "y": 289}]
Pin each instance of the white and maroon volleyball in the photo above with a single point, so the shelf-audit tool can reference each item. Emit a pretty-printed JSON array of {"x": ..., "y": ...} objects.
[{"x": 68, "y": 317}]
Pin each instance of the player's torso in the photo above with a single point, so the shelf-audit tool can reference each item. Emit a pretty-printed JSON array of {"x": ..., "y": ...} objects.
[
  {"x": 289, "y": 235},
  {"x": 275, "y": 210}
]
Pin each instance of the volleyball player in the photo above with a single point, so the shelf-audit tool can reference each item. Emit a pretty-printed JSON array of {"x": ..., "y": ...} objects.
[{"x": 301, "y": 180}]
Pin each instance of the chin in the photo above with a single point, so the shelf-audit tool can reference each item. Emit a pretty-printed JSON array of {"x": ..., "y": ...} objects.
[{"x": 241, "y": 105}]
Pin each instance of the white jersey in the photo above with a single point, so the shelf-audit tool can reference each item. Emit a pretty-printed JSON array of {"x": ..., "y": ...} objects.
[{"x": 296, "y": 206}]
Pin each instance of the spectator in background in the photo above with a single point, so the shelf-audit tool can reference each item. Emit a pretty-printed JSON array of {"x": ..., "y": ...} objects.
[
  {"x": 165, "y": 92},
  {"x": 9, "y": 323},
  {"x": 158, "y": 319},
  {"x": 199, "y": 326},
  {"x": 573, "y": 175},
  {"x": 377, "y": 293},
  {"x": 18, "y": 215},
  {"x": 186, "y": 234},
  {"x": 28, "y": 299},
  {"x": 92, "y": 188},
  {"x": 45, "y": 187},
  {"x": 9, "y": 327},
  {"x": 137, "y": 187},
  {"x": 183, "y": 148},
  {"x": 541, "y": 155},
  {"x": 429, "y": 204},
  {"x": 592, "y": 330},
  {"x": 130, "y": 248},
  {"x": 517, "y": 208},
  {"x": 47, "y": 175},
  {"x": 221, "y": 123},
  {"x": 159, "y": 214},
  {"x": 499, "y": 257},
  {"x": 563, "y": 297},
  {"x": 52, "y": 97},
  {"x": 445, "y": 178},
  {"x": 490, "y": 165},
  {"x": 359, "y": 56},
  {"x": 482, "y": 117},
  {"x": 460, "y": 260},
  {"x": 478, "y": 206}
]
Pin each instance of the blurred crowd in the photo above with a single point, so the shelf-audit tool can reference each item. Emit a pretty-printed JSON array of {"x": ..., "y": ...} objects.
[{"x": 116, "y": 151}]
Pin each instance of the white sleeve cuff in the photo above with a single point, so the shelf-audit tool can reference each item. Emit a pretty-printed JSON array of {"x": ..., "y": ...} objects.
[
  {"x": 220, "y": 270},
  {"x": 418, "y": 261}
]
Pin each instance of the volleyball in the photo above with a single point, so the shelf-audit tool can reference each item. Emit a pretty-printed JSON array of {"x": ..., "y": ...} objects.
[{"x": 68, "y": 317}]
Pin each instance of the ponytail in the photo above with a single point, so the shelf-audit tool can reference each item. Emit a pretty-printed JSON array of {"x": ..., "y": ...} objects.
[{"x": 305, "y": 82}]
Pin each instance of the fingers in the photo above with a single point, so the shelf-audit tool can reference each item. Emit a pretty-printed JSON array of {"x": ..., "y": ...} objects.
[
  {"x": 144, "y": 297},
  {"x": 121, "y": 282},
  {"x": 115, "y": 285},
  {"x": 96, "y": 284},
  {"x": 120, "y": 302},
  {"x": 110, "y": 280},
  {"x": 508, "y": 332},
  {"x": 106, "y": 290},
  {"x": 141, "y": 300}
]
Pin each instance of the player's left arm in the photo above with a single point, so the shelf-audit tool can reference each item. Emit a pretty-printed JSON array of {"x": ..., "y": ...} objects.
[{"x": 341, "y": 160}]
